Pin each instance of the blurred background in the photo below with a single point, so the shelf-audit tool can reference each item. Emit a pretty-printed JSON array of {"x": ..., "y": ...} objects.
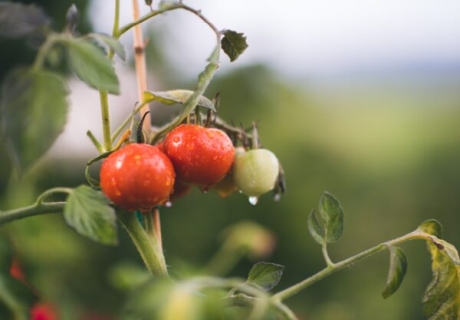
[{"x": 355, "y": 97}]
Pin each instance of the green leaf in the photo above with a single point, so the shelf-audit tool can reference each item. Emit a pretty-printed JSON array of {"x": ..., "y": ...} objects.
[
  {"x": 233, "y": 44},
  {"x": 442, "y": 297},
  {"x": 326, "y": 223},
  {"x": 111, "y": 42},
  {"x": 19, "y": 20},
  {"x": 177, "y": 96},
  {"x": 265, "y": 275},
  {"x": 316, "y": 229},
  {"x": 88, "y": 212},
  {"x": 33, "y": 113},
  {"x": 397, "y": 271},
  {"x": 432, "y": 227},
  {"x": 92, "y": 66}
]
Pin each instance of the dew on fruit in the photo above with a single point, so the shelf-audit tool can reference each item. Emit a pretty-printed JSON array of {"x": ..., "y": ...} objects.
[
  {"x": 277, "y": 197},
  {"x": 168, "y": 204},
  {"x": 253, "y": 200}
]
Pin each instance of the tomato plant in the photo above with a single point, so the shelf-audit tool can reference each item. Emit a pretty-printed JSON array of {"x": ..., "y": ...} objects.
[
  {"x": 201, "y": 156},
  {"x": 141, "y": 176},
  {"x": 137, "y": 177}
]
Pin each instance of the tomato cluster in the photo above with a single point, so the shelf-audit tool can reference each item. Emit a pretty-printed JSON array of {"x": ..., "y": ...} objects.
[{"x": 140, "y": 176}]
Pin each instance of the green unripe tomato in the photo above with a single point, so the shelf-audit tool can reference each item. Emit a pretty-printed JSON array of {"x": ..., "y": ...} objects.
[{"x": 255, "y": 171}]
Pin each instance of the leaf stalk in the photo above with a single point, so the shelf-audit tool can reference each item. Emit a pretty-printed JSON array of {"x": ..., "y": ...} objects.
[{"x": 288, "y": 292}]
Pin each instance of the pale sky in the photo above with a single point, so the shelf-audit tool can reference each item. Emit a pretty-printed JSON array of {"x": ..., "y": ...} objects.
[
  {"x": 311, "y": 37},
  {"x": 302, "y": 38}
]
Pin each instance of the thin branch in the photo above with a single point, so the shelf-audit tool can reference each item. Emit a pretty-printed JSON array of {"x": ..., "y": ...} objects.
[
  {"x": 29, "y": 211},
  {"x": 104, "y": 100},
  {"x": 165, "y": 8},
  {"x": 141, "y": 67},
  {"x": 288, "y": 292},
  {"x": 39, "y": 207}
]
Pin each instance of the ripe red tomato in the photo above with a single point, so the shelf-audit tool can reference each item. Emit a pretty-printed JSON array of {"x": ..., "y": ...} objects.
[
  {"x": 201, "y": 156},
  {"x": 137, "y": 177}
]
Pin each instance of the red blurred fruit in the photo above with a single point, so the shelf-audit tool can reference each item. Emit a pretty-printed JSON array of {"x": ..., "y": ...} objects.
[
  {"x": 43, "y": 311},
  {"x": 16, "y": 271}
]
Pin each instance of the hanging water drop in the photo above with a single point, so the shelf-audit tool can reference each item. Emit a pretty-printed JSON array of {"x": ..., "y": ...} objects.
[
  {"x": 168, "y": 204},
  {"x": 253, "y": 200}
]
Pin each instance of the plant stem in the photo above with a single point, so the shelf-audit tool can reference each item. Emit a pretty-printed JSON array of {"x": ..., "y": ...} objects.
[
  {"x": 148, "y": 247},
  {"x": 39, "y": 207},
  {"x": 157, "y": 227},
  {"x": 95, "y": 142},
  {"x": 103, "y": 95},
  {"x": 117, "y": 132},
  {"x": 104, "y": 99},
  {"x": 41, "y": 55},
  {"x": 141, "y": 68},
  {"x": 326, "y": 255},
  {"x": 284, "y": 311},
  {"x": 165, "y": 8},
  {"x": 29, "y": 211},
  {"x": 153, "y": 226},
  {"x": 204, "y": 79},
  {"x": 286, "y": 293},
  {"x": 116, "y": 19}
]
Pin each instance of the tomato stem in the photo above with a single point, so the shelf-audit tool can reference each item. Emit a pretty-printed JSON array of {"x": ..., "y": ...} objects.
[
  {"x": 117, "y": 132},
  {"x": 104, "y": 100},
  {"x": 149, "y": 248},
  {"x": 157, "y": 226},
  {"x": 153, "y": 226},
  {"x": 96, "y": 142}
]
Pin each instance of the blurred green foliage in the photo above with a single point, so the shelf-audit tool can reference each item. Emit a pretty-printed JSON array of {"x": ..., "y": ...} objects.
[{"x": 389, "y": 152}]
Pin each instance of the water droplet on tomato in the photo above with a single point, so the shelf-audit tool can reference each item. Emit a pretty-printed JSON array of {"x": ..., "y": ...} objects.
[
  {"x": 253, "y": 200},
  {"x": 168, "y": 204}
]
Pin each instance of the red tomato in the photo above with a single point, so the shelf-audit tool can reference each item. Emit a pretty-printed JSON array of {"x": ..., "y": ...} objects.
[
  {"x": 137, "y": 177},
  {"x": 43, "y": 311},
  {"x": 201, "y": 156}
]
